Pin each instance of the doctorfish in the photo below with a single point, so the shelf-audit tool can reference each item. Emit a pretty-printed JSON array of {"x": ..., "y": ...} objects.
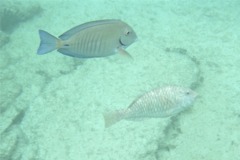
[
  {"x": 162, "y": 102},
  {"x": 92, "y": 39}
]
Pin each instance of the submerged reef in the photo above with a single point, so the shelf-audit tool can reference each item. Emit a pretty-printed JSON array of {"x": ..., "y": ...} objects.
[
  {"x": 198, "y": 75},
  {"x": 12, "y": 13},
  {"x": 4, "y": 38},
  {"x": 12, "y": 112},
  {"x": 168, "y": 140}
]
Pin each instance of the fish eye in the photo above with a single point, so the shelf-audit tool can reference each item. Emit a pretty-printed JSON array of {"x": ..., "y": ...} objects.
[
  {"x": 187, "y": 93},
  {"x": 127, "y": 33}
]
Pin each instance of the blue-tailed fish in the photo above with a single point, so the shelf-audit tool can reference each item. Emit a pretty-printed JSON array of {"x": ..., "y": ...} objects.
[
  {"x": 161, "y": 102},
  {"x": 93, "y": 39}
]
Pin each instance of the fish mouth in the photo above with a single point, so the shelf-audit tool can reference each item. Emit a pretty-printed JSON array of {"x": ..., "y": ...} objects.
[{"x": 121, "y": 42}]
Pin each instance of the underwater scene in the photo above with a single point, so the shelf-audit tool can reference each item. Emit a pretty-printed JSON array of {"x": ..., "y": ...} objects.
[{"x": 119, "y": 80}]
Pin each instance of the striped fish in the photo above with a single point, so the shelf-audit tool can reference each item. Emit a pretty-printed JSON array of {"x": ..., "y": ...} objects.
[
  {"x": 161, "y": 102},
  {"x": 93, "y": 39}
]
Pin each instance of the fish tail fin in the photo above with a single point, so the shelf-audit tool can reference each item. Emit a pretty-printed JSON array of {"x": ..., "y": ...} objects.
[
  {"x": 113, "y": 117},
  {"x": 48, "y": 42}
]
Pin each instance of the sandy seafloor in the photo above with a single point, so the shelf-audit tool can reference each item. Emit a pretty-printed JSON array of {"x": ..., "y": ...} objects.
[{"x": 52, "y": 105}]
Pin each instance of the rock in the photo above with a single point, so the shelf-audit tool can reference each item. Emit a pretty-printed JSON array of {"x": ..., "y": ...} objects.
[{"x": 15, "y": 12}]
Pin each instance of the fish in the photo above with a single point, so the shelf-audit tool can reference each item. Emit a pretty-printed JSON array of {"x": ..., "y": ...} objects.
[
  {"x": 162, "y": 102},
  {"x": 94, "y": 39}
]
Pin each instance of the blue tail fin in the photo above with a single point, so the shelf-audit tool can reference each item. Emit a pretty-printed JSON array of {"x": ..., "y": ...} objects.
[{"x": 48, "y": 42}]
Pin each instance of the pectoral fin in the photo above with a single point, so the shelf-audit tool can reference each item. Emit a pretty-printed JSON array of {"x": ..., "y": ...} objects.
[{"x": 124, "y": 52}]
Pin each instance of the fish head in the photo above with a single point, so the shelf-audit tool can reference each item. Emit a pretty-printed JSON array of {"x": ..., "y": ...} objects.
[
  {"x": 128, "y": 36},
  {"x": 187, "y": 96}
]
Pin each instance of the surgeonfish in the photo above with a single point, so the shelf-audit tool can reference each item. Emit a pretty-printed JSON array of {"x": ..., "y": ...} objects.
[
  {"x": 162, "y": 102},
  {"x": 92, "y": 39}
]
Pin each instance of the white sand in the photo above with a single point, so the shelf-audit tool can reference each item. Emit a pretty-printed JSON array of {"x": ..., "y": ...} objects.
[{"x": 65, "y": 97}]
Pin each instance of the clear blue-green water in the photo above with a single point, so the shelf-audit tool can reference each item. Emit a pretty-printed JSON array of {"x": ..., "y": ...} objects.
[{"x": 51, "y": 105}]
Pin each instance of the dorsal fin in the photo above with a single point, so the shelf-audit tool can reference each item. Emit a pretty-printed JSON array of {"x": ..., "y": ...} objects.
[{"x": 83, "y": 26}]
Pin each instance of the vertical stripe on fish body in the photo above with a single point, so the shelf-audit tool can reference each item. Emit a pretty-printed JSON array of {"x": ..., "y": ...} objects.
[
  {"x": 95, "y": 42},
  {"x": 93, "y": 39},
  {"x": 162, "y": 102}
]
